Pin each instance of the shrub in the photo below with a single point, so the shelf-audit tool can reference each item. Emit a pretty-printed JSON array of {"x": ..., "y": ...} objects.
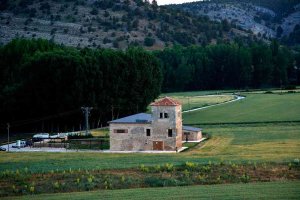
[
  {"x": 94, "y": 11},
  {"x": 154, "y": 182},
  {"x": 296, "y": 162},
  {"x": 245, "y": 178},
  {"x": 143, "y": 168},
  {"x": 190, "y": 165},
  {"x": 168, "y": 167},
  {"x": 148, "y": 41},
  {"x": 56, "y": 185}
]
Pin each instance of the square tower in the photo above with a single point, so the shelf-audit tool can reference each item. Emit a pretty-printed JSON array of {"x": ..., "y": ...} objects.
[{"x": 166, "y": 124}]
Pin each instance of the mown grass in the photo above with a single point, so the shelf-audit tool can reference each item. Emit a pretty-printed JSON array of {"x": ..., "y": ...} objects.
[
  {"x": 270, "y": 190},
  {"x": 254, "y": 108},
  {"x": 192, "y": 102}
]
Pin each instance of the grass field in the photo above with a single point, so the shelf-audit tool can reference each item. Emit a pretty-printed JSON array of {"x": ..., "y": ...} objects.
[
  {"x": 275, "y": 142},
  {"x": 236, "y": 143},
  {"x": 192, "y": 102},
  {"x": 254, "y": 108},
  {"x": 260, "y": 143},
  {"x": 272, "y": 190}
]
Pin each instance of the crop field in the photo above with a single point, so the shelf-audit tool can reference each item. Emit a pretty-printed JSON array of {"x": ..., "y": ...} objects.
[{"x": 269, "y": 190}]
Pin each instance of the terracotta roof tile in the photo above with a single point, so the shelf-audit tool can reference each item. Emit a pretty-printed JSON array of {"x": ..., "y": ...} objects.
[{"x": 166, "y": 101}]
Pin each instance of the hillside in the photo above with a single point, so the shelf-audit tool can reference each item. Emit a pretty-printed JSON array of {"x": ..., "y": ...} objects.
[
  {"x": 107, "y": 24},
  {"x": 266, "y": 19}
]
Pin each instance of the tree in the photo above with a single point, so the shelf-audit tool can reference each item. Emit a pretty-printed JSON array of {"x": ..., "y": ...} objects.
[
  {"x": 279, "y": 31},
  {"x": 148, "y": 41}
]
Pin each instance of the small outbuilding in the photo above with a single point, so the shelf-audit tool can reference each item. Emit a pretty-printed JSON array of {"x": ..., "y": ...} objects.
[{"x": 191, "y": 134}]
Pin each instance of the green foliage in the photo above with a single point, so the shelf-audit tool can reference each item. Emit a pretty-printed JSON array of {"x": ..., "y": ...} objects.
[
  {"x": 233, "y": 65},
  {"x": 57, "y": 79},
  {"x": 149, "y": 41}
]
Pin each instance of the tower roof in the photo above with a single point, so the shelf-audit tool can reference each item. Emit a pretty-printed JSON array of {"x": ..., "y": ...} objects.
[{"x": 166, "y": 101}]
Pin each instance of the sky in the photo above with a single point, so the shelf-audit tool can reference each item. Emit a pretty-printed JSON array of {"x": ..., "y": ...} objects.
[{"x": 164, "y": 2}]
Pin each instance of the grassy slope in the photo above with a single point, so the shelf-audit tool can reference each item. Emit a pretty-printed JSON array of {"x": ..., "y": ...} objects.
[
  {"x": 254, "y": 108},
  {"x": 273, "y": 190}
]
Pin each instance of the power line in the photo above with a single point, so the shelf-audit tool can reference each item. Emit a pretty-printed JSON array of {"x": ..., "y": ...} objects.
[{"x": 87, "y": 111}]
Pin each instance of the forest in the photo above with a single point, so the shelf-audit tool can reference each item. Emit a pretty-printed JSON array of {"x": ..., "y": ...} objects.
[
  {"x": 44, "y": 82},
  {"x": 43, "y": 85},
  {"x": 228, "y": 66}
]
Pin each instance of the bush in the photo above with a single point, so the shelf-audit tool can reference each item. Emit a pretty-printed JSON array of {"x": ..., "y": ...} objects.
[
  {"x": 245, "y": 178},
  {"x": 94, "y": 11},
  {"x": 154, "y": 182},
  {"x": 149, "y": 41}
]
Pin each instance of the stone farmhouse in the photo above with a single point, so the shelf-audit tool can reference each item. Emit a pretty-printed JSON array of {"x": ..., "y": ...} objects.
[{"x": 160, "y": 131}]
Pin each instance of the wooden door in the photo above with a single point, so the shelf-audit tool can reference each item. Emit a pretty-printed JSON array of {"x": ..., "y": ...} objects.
[{"x": 158, "y": 145}]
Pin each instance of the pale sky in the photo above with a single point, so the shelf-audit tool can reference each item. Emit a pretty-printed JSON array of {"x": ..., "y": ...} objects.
[{"x": 164, "y": 2}]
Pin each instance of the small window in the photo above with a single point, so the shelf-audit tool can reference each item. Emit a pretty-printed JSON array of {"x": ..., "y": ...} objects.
[
  {"x": 186, "y": 133},
  {"x": 148, "y": 132},
  {"x": 166, "y": 115},
  {"x": 161, "y": 115},
  {"x": 120, "y": 131},
  {"x": 170, "y": 132}
]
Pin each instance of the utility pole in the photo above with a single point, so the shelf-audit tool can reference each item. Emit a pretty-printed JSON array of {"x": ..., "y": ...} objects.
[
  {"x": 8, "y": 126},
  {"x": 86, "y": 111}
]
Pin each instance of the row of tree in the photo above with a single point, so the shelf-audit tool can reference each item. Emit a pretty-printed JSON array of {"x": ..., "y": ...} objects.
[
  {"x": 46, "y": 84},
  {"x": 41, "y": 80},
  {"x": 225, "y": 66}
]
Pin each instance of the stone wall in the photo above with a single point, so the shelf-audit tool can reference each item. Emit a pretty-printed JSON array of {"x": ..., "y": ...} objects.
[
  {"x": 134, "y": 140},
  {"x": 193, "y": 135}
]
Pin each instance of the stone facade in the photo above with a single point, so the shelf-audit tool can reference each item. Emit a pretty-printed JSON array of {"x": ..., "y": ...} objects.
[
  {"x": 161, "y": 130},
  {"x": 191, "y": 135}
]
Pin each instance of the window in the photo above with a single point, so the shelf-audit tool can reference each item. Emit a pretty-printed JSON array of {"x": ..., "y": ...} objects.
[
  {"x": 120, "y": 131},
  {"x": 170, "y": 132},
  {"x": 148, "y": 132},
  {"x": 161, "y": 115}
]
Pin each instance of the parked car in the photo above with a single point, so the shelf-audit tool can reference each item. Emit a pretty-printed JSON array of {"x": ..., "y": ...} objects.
[
  {"x": 20, "y": 144},
  {"x": 2, "y": 149}
]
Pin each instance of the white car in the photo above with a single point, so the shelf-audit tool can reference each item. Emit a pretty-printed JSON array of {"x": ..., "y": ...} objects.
[{"x": 20, "y": 144}]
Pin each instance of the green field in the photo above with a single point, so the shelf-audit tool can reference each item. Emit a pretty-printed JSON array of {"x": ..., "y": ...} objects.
[
  {"x": 272, "y": 190},
  {"x": 260, "y": 143},
  {"x": 275, "y": 142},
  {"x": 192, "y": 102},
  {"x": 254, "y": 108},
  {"x": 278, "y": 141}
]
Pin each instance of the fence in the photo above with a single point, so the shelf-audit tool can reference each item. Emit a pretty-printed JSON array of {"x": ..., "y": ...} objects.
[{"x": 89, "y": 143}]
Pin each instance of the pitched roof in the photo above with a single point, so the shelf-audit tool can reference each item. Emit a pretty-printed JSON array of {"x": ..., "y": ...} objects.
[
  {"x": 141, "y": 118},
  {"x": 166, "y": 101},
  {"x": 190, "y": 128}
]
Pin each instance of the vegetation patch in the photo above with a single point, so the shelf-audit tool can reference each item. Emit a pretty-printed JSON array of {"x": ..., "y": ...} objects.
[{"x": 25, "y": 182}]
